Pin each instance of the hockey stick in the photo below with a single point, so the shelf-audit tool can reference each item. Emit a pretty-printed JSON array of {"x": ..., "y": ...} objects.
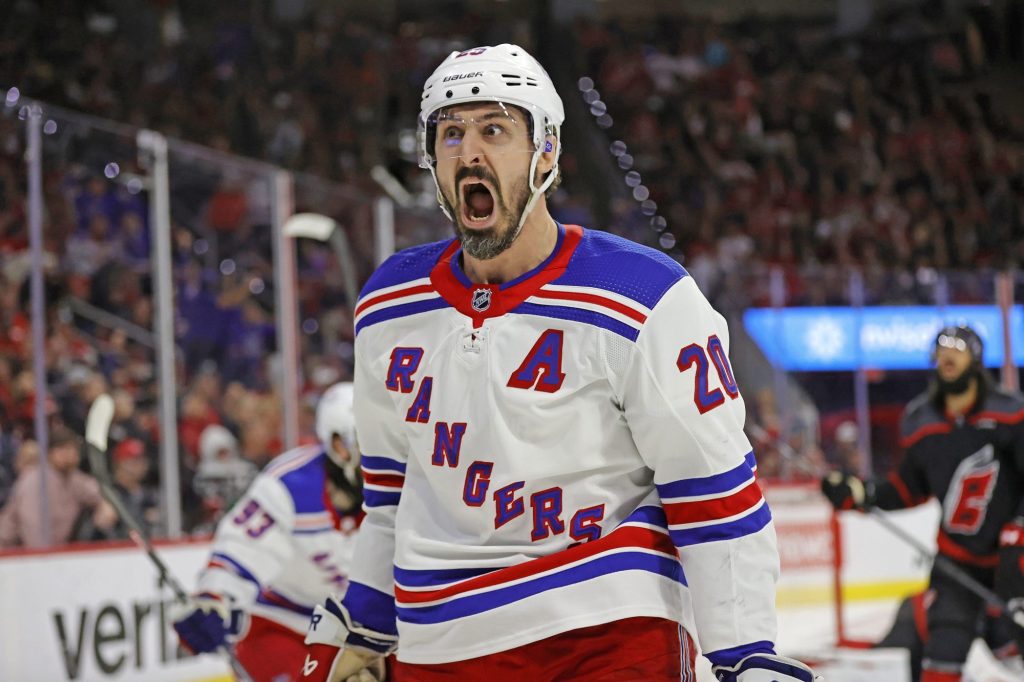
[
  {"x": 325, "y": 229},
  {"x": 97, "y": 428},
  {"x": 947, "y": 566},
  {"x": 940, "y": 562}
]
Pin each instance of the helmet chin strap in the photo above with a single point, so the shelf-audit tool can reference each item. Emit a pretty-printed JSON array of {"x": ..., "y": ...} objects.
[
  {"x": 441, "y": 201},
  {"x": 535, "y": 192}
]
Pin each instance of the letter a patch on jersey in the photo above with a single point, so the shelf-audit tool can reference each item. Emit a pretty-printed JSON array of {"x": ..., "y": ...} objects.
[{"x": 542, "y": 368}]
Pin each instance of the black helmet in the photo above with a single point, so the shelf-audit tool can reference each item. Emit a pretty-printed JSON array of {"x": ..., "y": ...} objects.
[{"x": 960, "y": 337}]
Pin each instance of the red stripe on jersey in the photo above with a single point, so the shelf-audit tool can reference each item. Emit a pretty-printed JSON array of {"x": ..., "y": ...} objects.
[
  {"x": 939, "y": 676},
  {"x": 385, "y": 480},
  {"x": 904, "y": 492},
  {"x": 594, "y": 299},
  {"x": 214, "y": 563},
  {"x": 713, "y": 509},
  {"x": 1000, "y": 417},
  {"x": 917, "y": 603},
  {"x": 411, "y": 291},
  {"x": 950, "y": 548},
  {"x": 928, "y": 430},
  {"x": 627, "y": 537}
]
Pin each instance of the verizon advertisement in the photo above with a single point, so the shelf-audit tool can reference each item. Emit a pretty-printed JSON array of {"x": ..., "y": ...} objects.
[{"x": 96, "y": 615}]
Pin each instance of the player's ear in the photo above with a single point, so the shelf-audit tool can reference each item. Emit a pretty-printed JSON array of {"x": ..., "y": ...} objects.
[{"x": 548, "y": 158}]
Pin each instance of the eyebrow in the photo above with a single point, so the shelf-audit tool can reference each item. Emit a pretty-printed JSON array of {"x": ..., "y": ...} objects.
[
  {"x": 491, "y": 115},
  {"x": 504, "y": 113}
]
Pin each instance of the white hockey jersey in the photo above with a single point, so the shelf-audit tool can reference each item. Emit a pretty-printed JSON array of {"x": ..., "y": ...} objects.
[
  {"x": 283, "y": 548},
  {"x": 557, "y": 452}
]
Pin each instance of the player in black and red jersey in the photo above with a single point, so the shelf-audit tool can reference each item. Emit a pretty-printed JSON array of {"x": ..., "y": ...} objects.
[{"x": 963, "y": 442}]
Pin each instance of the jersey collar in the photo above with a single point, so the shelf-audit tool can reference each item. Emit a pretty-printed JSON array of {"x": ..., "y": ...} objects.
[{"x": 482, "y": 301}]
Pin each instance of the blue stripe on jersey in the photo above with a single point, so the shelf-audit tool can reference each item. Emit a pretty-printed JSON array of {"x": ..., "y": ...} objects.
[
  {"x": 371, "y": 608},
  {"x": 306, "y": 484},
  {"x": 649, "y": 514},
  {"x": 578, "y": 315},
  {"x": 402, "y": 310},
  {"x": 377, "y": 463},
  {"x": 722, "y": 531},
  {"x": 413, "y": 263},
  {"x": 609, "y": 262},
  {"x": 732, "y": 656},
  {"x": 708, "y": 485},
  {"x": 238, "y": 568},
  {"x": 486, "y": 601},
  {"x": 407, "y": 577},
  {"x": 373, "y": 498}
]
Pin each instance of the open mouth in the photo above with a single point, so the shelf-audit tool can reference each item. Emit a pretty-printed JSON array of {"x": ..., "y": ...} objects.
[{"x": 477, "y": 204}]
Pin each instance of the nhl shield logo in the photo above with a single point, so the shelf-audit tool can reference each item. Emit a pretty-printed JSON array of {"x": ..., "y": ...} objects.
[{"x": 481, "y": 300}]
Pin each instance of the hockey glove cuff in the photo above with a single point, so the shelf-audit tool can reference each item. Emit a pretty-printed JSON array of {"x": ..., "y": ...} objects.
[
  {"x": 845, "y": 491},
  {"x": 765, "y": 668},
  {"x": 206, "y": 622},
  {"x": 339, "y": 648}
]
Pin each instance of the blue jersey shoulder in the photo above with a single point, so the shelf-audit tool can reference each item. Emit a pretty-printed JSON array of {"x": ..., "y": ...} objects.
[
  {"x": 407, "y": 265},
  {"x": 607, "y": 261},
  {"x": 303, "y": 476}
]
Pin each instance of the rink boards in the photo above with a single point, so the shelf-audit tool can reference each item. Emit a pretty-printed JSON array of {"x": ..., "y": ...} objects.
[{"x": 98, "y": 614}]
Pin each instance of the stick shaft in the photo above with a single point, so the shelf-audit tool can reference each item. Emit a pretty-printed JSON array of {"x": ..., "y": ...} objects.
[
  {"x": 950, "y": 568},
  {"x": 96, "y": 436}
]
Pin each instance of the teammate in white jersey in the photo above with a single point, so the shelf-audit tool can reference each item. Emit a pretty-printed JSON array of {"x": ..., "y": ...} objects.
[
  {"x": 557, "y": 483},
  {"x": 284, "y": 546}
]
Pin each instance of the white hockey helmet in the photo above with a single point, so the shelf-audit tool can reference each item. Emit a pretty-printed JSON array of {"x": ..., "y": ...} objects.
[
  {"x": 503, "y": 73},
  {"x": 334, "y": 415}
]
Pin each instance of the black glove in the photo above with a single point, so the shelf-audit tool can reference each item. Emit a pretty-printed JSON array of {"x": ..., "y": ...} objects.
[{"x": 846, "y": 491}]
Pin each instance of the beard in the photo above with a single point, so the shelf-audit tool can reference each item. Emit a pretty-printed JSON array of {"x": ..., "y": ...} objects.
[
  {"x": 957, "y": 385},
  {"x": 490, "y": 242}
]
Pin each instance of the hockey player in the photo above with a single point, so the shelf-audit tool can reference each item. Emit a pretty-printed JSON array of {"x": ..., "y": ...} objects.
[
  {"x": 909, "y": 631},
  {"x": 558, "y": 486},
  {"x": 284, "y": 545},
  {"x": 964, "y": 444}
]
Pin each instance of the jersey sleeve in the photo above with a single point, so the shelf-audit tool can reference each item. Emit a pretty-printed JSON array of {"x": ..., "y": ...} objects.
[
  {"x": 383, "y": 450},
  {"x": 686, "y": 416},
  {"x": 252, "y": 543},
  {"x": 908, "y": 485}
]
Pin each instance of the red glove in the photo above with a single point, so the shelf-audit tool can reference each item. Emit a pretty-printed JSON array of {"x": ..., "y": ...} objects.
[{"x": 1012, "y": 534}]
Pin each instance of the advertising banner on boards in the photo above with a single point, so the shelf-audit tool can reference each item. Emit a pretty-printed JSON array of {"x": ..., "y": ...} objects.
[{"x": 95, "y": 615}]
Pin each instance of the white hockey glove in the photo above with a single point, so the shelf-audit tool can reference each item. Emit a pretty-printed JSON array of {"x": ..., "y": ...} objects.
[
  {"x": 207, "y": 621},
  {"x": 765, "y": 668},
  {"x": 340, "y": 650}
]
